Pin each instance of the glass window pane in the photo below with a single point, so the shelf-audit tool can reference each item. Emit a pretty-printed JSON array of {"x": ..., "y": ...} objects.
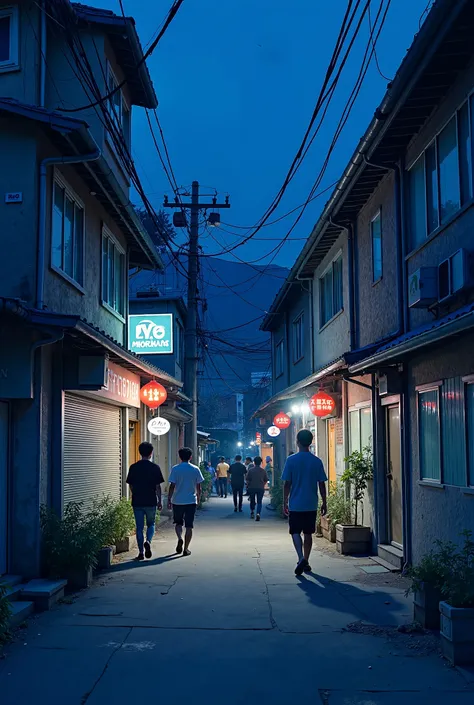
[
  {"x": 428, "y": 414},
  {"x": 366, "y": 427},
  {"x": 78, "y": 244},
  {"x": 69, "y": 236},
  {"x": 377, "y": 248},
  {"x": 432, "y": 205},
  {"x": 57, "y": 226},
  {"x": 337, "y": 286},
  {"x": 417, "y": 204},
  {"x": 448, "y": 171},
  {"x": 465, "y": 155},
  {"x": 105, "y": 268},
  {"x": 470, "y": 432},
  {"x": 110, "y": 273},
  {"x": 354, "y": 430},
  {"x": 5, "y": 23}
]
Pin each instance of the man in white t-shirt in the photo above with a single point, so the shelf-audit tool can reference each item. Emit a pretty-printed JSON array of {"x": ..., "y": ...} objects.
[
  {"x": 184, "y": 495},
  {"x": 303, "y": 475}
]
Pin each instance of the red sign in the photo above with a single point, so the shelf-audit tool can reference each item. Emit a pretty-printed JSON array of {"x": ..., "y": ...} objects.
[
  {"x": 281, "y": 420},
  {"x": 258, "y": 438},
  {"x": 321, "y": 404},
  {"x": 122, "y": 386},
  {"x": 153, "y": 394}
]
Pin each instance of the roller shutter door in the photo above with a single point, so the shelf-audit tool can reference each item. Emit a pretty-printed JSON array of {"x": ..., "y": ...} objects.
[{"x": 92, "y": 450}]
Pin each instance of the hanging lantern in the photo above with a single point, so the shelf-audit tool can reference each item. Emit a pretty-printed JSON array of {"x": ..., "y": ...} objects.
[
  {"x": 153, "y": 394},
  {"x": 322, "y": 404},
  {"x": 281, "y": 420}
]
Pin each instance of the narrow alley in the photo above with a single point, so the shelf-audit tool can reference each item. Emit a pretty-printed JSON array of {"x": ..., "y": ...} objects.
[{"x": 231, "y": 623}]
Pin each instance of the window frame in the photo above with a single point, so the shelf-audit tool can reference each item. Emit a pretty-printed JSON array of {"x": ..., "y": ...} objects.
[
  {"x": 359, "y": 408},
  {"x": 279, "y": 346},
  {"x": 377, "y": 216},
  {"x": 106, "y": 234},
  {"x": 59, "y": 179},
  {"x": 298, "y": 324},
  {"x": 330, "y": 268},
  {"x": 468, "y": 382},
  {"x": 119, "y": 120},
  {"x": 13, "y": 61},
  {"x": 422, "y": 389}
]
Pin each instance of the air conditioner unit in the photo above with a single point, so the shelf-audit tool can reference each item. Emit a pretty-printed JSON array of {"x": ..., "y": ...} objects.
[
  {"x": 423, "y": 287},
  {"x": 453, "y": 275}
]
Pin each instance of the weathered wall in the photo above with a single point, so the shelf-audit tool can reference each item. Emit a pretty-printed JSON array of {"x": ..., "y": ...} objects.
[
  {"x": 376, "y": 309},
  {"x": 437, "y": 513},
  {"x": 23, "y": 83}
]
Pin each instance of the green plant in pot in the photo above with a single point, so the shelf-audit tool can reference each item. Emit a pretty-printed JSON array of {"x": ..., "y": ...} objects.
[
  {"x": 71, "y": 543},
  {"x": 427, "y": 579},
  {"x": 339, "y": 510},
  {"x": 353, "y": 538}
]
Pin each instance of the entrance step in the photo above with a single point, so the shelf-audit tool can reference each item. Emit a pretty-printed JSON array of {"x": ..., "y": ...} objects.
[
  {"x": 20, "y": 612},
  {"x": 14, "y": 593},
  {"x": 43, "y": 593},
  {"x": 10, "y": 580},
  {"x": 390, "y": 557}
]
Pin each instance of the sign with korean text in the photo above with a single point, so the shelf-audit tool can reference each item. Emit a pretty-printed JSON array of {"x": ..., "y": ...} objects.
[
  {"x": 158, "y": 426},
  {"x": 122, "y": 386},
  {"x": 281, "y": 420},
  {"x": 150, "y": 334},
  {"x": 273, "y": 431},
  {"x": 322, "y": 404}
]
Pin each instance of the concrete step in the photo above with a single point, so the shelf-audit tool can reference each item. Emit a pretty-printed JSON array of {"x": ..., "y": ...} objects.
[
  {"x": 389, "y": 555},
  {"x": 10, "y": 580},
  {"x": 14, "y": 592},
  {"x": 20, "y": 611},
  {"x": 44, "y": 593}
]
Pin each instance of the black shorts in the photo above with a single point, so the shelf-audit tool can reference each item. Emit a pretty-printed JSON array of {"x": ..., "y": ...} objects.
[
  {"x": 302, "y": 522},
  {"x": 184, "y": 514}
]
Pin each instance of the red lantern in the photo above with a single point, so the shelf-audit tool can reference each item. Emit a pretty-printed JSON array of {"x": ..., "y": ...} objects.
[
  {"x": 281, "y": 420},
  {"x": 153, "y": 394},
  {"x": 321, "y": 404}
]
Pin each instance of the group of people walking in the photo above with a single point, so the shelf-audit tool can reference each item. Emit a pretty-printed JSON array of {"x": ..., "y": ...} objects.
[{"x": 303, "y": 476}]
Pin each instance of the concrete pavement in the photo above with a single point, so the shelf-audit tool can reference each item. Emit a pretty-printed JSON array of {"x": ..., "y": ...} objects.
[{"x": 232, "y": 624}]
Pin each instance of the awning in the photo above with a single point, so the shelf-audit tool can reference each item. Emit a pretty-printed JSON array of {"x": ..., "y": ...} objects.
[{"x": 431, "y": 333}]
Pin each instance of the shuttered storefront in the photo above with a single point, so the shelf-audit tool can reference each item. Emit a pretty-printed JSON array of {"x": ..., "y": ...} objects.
[{"x": 92, "y": 450}]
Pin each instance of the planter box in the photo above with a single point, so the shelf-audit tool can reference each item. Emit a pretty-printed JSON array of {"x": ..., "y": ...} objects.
[
  {"x": 457, "y": 633},
  {"x": 328, "y": 529},
  {"x": 80, "y": 578},
  {"x": 426, "y": 606},
  {"x": 123, "y": 546},
  {"x": 104, "y": 558},
  {"x": 353, "y": 540}
]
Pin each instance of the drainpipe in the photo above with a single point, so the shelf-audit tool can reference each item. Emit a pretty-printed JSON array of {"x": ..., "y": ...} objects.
[
  {"x": 42, "y": 212},
  {"x": 43, "y": 51}
]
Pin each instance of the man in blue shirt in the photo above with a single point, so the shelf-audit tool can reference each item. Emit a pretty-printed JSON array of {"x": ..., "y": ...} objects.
[{"x": 302, "y": 476}]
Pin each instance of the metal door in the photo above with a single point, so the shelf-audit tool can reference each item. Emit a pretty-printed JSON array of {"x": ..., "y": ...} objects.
[
  {"x": 394, "y": 476},
  {"x": 3, "y": 485},
  {"x": 92, "y": 450}
]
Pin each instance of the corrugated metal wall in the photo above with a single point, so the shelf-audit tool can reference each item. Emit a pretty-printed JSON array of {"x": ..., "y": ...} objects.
[{"x": 92, "y": 450}]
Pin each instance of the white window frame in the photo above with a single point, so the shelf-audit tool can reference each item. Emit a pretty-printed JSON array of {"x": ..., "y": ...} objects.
[
  {"x": 124, "y": 108},
  {"x": 299, "y": 319},
  {"x": 13, "y": 62},
  {"x": 59, "y": 179},
  {"x": 359, "y": 408},
  {"x": 107, "y": 234}
]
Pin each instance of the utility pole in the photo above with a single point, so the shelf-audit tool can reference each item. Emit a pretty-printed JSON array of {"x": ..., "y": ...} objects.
[{"x": 190, "y": 336}]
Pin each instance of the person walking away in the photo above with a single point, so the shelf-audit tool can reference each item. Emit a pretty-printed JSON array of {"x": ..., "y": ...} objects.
[
  {"x": 222, "y": 473},
  {"x": 257, "y": 478},
  {"x": 249, "y": 465},
  {"x": 269, "y": 469},
  {"x": 145, "y": 478},
  {"x": 212, "y": 473},
  {"x": 302, "y": 476},
  {"x": 237, "y": 472},
  {"x": 184, "y": 495}
]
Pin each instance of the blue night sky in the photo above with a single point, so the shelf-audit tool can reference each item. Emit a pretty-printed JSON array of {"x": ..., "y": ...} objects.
[{"x": 237, "y": 82}]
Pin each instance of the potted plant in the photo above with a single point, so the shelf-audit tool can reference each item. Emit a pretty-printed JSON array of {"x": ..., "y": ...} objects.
[
  {"x": 124, "y": 525},
  {"x": 457, "y": 608},
  {"x": 206, "y": 486},
  {"x": 427, "y": 579},
  {"x": 70, "y": 543},
  {"x": 339, "y": 511},
  {"x": 354, "y": 538}
]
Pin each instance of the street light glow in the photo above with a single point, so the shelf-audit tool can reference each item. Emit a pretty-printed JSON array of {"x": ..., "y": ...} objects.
[
  {"x": 239, "y": 444},
  {"x": 295, "y": 408},
  {"x": 305, "y": 408}
]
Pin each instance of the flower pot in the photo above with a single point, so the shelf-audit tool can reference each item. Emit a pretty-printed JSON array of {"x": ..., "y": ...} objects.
[
  {"x": 353, "y": 540},
  {"x": 104, "y": 558},
  {"x": 79, "y": 578},
  {"x": 328, "y": 529},
  {"x": 123, "y": 546},
  {"x": 426, "y": 606},
  {"x": 457, "y": 633}
]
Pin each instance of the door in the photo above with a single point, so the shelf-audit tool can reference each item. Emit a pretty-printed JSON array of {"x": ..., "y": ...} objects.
[
  {"x": 133, "y": 441},
  {"x": 3, "y": 485},
  {"x": 394, "y": 476},
  {"x": 331, "y": 431}
]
